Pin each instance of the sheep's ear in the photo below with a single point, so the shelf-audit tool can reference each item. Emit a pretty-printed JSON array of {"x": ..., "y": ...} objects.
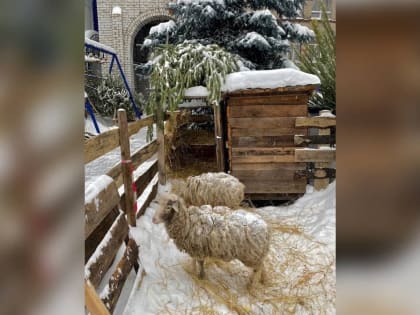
[{"x": 175, "y": 206}]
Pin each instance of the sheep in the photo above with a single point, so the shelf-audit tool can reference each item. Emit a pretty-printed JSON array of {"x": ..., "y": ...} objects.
[
  {"x": 215, "y": 189},
  {"x": 202, "y": 232}
]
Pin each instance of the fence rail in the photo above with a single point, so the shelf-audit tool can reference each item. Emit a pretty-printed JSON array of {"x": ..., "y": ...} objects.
[{"x": 109, "y": 214}]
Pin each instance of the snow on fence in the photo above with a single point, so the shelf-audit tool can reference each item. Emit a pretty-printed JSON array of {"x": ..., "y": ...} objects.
[{"x": 109, "y": 212}]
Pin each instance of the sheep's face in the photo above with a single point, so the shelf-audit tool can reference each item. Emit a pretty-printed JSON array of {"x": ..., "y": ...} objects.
[{"x": 168, "y": 206}]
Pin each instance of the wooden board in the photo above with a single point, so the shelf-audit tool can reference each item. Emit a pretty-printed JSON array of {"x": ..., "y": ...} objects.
[
  {"x": 313, "y": 139},
  {"x": 106, "y": 251},
  {"x": 290, "y": 99},
  {"x": 149, "y": 199},
  {"x": 98, "y": 234},
  {"x": 263, "y": 151},
  {"x": 268, "y": 166},
  {"x": 140, "y": 156},
  {"x": 267, "y": 111},
  {"x": 316, "y": 122},
  {"x": 109, "y": 140},
  {"x": 94, "y": 304},
  {"x": 98, "y": 208},
  {"x": 101, "y": 144},
  {"x": 262, "y": 141},
  {"x": 117, "y": 280},
  {"x": 263, "y": 159},
  {"x": 142, "y": 182},
  {"x": 135, "y": 126},
  {"x": 316, "y": 155},
  {"x": 263, "y": 122},
  {"x": 302, "y": 89},
  {"x": 262, "y": 175},
  {"x": 257, "y": 132},
  {"x": 275, "y": 186}
]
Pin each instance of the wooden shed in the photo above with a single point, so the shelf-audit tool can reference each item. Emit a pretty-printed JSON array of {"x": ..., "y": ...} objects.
[{"x": 260, "y": 131}]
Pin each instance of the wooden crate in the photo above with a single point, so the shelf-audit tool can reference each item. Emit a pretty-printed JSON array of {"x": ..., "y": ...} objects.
[{"x": 261, "y": 126}]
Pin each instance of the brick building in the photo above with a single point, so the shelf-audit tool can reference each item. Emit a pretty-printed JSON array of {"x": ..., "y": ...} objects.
[{"x": 122, "y": 24}]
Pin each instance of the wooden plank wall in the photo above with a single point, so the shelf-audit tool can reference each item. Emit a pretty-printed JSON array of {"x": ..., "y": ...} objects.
[{"x": 261, "y": 131}]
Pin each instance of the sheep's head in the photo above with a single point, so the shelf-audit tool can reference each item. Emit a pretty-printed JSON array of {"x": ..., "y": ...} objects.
[{"x": 168, "y": 205}]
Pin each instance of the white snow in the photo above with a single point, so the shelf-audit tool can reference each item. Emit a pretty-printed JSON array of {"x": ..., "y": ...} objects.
[
  {"x": 167, "y": 287},
  {"x": 202, "y": 2},
  {"x": 253, "y": 39},
  {"x": 197, "y": 91},
  {"x": 92, "y": 59},
  {"x": 162, "y": 28},
  {"x": 302, "y": 30},
  {"x": 99, "y": 45},
  {"x": 267, "y": 79},
  {"x": 326, "y": 113},
  {"x": 116, "y": 10},
  {"x": 95, "y": 187}
]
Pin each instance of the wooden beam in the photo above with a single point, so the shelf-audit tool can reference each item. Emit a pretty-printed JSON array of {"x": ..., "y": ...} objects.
[
  {"x": 277, "y": 151},
  {"x": 149, "y": 199},
  {"x": 263, "y": 141},
  {"x": 141, "y": 155},
  {"x": 307, "y": 89},
  {"x": 316, "y": 122},
  {"x": 218, "y": 134},
  {"x": 268, "y": 166},
  {"x": 118, "y": 278},
  {"x": 315, "y": 139},
  {"x": 126, "y": 167},
  {"x": 263, "y": 122},
  {"x": 109, "y": 140},
  {"x": 100, "y": 145},
  {"x": 106, "y": 251},
  {"x": 98, "y": 205},
  {"x": 94, "y": 304},
  {"x": 161, "y": 156},
  {"x": 142, "y": 181},
  {"x": 263, "y": 132},
  {"x": 135, "y": 126},
  {"x": 247, "y": 111},
  {"x": 95, "y": 238},
  {"x": 263, "y": 100},
  {"x": 314, "y": 155}
]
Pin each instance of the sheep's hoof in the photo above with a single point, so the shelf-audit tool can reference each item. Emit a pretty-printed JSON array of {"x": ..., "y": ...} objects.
[{"x": 201, "y": 275}]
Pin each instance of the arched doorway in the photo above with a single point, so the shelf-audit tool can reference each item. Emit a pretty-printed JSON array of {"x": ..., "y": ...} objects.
[{"x": 141, "y": 83}]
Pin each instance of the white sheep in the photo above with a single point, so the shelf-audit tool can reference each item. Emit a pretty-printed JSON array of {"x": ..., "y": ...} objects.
[
  {"x": 227, "y": 235},
  {"x": 215, "y": 189}
]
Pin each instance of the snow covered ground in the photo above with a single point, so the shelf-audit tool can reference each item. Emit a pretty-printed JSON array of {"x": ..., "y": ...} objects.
[{"x": 301, "y": 265}]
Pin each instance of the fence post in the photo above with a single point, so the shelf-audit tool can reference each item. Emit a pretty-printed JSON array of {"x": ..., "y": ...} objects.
[
  {"x": 218, "y": 133},
  {"x": 161, "y": 154},
  {"x": 126, "y": 167}
]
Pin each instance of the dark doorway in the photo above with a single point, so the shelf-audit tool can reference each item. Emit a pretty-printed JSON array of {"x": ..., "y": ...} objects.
[{"x": 141, "y": 83}]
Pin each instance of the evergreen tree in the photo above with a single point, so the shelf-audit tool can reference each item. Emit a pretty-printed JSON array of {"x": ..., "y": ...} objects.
[
  {"x": 253, "y": 29},
  {"x": 112, "y": 95},
  {"x": 319, "y": 59}
]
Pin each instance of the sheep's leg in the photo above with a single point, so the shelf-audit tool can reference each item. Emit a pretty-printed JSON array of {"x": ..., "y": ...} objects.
[
  {"x": 255, "y": 278},
  {"x": 201, "y": 275},
  {"x": 194, "y": 265}
]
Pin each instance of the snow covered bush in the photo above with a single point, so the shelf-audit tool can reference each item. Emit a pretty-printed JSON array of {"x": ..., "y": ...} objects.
[
  {"x": 254, "y": 29},
  {"x": 319, "y": 59},
  {"x": 178, "y": 67},
  {"x": 112, "y": 95}
]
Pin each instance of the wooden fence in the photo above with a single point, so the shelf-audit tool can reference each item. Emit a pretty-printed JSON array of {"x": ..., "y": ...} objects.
[{"x": 108, "y": 215}]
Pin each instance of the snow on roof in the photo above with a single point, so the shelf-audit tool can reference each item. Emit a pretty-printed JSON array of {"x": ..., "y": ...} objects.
[
  {"x": 267, "y": 79},
  {"x": 99, "y": 45},
  {"x": 162, "y": 28},
  {"x": 197, "y": 91}
]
